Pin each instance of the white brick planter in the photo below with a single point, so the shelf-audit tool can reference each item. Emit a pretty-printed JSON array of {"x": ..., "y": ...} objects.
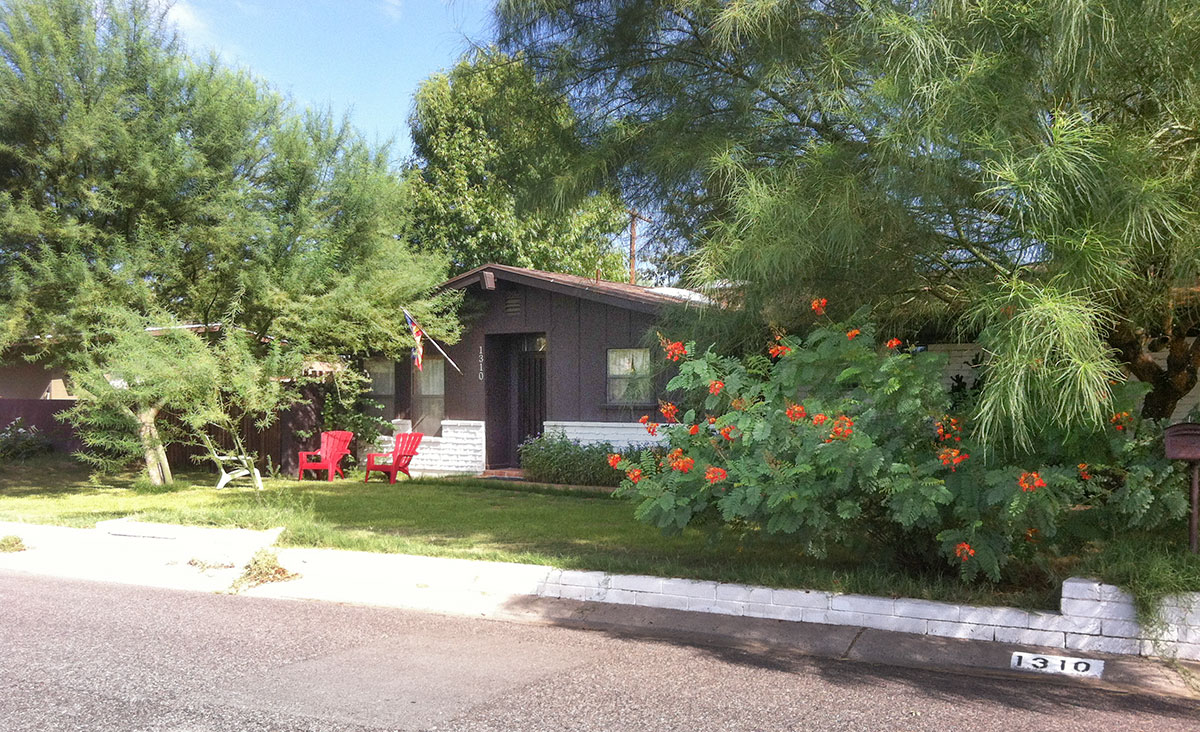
[
  {"x": 618, "y": 434},
  {"x": 459, "y": 451},
  {"x": 1094, "y": 617}
]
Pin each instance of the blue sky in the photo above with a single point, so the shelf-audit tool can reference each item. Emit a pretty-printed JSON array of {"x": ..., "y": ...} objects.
[{"x": 365, "y": 57}]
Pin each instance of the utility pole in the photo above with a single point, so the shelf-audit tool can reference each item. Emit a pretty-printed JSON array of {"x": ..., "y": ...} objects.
[{"x": 633, "y": 219}]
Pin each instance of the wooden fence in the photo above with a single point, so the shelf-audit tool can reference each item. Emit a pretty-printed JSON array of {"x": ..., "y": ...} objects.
[{"x": 279, "y": 443}]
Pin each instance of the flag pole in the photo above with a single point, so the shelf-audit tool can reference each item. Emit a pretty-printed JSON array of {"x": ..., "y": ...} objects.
[{"x": 431, "y": 340}]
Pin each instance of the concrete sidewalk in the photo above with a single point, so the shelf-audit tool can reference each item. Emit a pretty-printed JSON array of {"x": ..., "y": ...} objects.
[{"x": 210, "y": 560}]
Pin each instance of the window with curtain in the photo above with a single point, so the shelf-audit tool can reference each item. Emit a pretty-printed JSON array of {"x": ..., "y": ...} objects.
[
  {"x": 629, "y": 377},
  {"x": 429, "y": 397},
  {"x": 382, "y": 373}
]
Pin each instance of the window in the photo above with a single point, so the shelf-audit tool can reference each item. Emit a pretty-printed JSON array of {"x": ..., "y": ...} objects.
[
  {"x": 383, "y": 385},
  {"x": 429, "y": 397},
  {"x": 629, "y": 378}
]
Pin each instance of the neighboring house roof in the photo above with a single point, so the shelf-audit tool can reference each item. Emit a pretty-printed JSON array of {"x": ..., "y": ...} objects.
[{"x": 621, "y": 294}]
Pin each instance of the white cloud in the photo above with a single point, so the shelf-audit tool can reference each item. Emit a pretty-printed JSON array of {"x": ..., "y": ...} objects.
[
  {"x": 188, "y": 21},
  {"x": 393, "y": 9},
  {"x": 196, "y": 32}
]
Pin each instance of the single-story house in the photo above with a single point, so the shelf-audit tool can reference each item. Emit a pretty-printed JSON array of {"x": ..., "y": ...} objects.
[{"x": 540, "y": 352}]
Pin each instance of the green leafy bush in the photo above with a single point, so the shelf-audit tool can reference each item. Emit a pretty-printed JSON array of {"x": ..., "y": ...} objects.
[
  {"x": 552, "y": 458},
  {"x": 19, "y": 442},
  {"x": 835, "y": 441}
]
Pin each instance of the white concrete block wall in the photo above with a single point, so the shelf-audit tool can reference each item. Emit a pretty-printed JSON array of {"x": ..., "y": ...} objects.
[
  {"x": 1095, "y": 617},
  {"x": 618, "y": 434},
  {"x": 461, "y": 449}
]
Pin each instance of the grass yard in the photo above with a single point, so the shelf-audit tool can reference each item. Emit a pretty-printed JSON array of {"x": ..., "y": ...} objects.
[{"x": 479, "y": 519}]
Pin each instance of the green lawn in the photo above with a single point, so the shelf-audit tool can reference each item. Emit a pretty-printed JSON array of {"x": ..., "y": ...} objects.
[{"x": 474, "y": 519}]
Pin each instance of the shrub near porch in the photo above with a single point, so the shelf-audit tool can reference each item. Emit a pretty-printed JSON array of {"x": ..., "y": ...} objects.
[{"x": 834, "y": 442}]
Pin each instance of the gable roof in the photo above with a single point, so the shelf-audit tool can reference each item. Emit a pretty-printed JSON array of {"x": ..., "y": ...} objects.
[{"x": 621, "y": 294}]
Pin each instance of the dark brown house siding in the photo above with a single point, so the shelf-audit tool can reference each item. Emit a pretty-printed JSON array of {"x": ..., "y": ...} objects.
[{"x": 501, "y": 325}]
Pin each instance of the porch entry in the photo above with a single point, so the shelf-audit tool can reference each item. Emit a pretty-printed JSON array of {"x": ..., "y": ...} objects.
[{"x": 515, "y": 382}]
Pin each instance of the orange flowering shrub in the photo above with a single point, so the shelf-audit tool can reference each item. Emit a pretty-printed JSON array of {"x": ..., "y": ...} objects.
[{"x": 834, "y": 441}]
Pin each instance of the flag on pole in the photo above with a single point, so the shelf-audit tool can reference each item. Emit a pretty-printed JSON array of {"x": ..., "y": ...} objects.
[{"x": 417, "y": 334}]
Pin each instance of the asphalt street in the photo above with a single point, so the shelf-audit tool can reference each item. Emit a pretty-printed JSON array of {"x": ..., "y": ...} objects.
[{"x": 80, "y": 655}]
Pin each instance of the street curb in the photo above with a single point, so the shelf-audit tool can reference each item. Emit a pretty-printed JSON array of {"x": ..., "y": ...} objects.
[
  {"x": 518, "y": 592},
  {"x": 844, "y": 643}
]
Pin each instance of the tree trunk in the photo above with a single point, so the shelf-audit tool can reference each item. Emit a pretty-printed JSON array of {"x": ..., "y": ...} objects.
[
  {"x": 1167, "y": 385},
  {"x": 161, "y": 452},
  {"x": 157, "y": 468}
]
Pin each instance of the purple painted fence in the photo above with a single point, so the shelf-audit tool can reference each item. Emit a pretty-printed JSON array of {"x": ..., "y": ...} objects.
[
  {"x": 279, "y": 442},
  {"x": 40, "y": 413}
]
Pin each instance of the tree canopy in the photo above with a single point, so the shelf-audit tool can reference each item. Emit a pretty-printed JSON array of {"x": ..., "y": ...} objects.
[
  {"x": 131, "y": 174},
  {"x": 142, "y": 191},
  {"x": 491, "y": 144},
  {"x": 1024, "y": 174}
]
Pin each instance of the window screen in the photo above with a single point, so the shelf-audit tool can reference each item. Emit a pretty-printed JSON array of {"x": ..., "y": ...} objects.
[
  {"x": 429, "y": 397},
  {"x": 629, "y": 379}
]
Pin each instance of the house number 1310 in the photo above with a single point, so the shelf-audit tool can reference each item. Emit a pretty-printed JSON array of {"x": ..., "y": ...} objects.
[
  {"x": 481, "y": 363},
  {"x": 1057, "y": 664}
]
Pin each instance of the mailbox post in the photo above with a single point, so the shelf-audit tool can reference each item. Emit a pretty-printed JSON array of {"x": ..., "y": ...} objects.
[{"x": 1182, "y": 442}]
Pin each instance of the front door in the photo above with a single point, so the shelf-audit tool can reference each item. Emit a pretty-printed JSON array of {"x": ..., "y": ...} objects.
[
  {"x": 531, "y": 394},
  {"x": 515, "y": 381}
]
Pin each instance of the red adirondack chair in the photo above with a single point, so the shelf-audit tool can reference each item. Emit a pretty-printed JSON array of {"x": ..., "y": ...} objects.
[
  {"x": 334, "y": 447},
  {"x": 402, "y": 454}
]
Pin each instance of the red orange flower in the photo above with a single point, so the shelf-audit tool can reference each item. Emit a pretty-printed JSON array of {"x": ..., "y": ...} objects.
[
  {"x": 952, "y": 457},
  {"x": 645, "y": 418},
  {"x": 613, "y": 460},
  {"x": 819, "y": 419},
  {"x": 738, "y": 403},
  {"x": 893, "y": 343},
  {"x": 652, "y": 428},
  {"x": 715, "y": 474},
  {"x": 635, "y": 475},
  {"x": 795, "y": 412},
  {"x": 727, "y": 432},
  {"x": 949, "y": 428},
  {"x": 715, "y": 386},
  {"x": 1031, "y": 536},
  {"x": 679, "y": 461},
  {"x": 694, "y": 429},
  {"x": 1083, "y": 472},
  {"x": 964, "y": 551},
  {"x": 675, "y": 350},
  {"x": 778, "y": 350},
  {"x": 818, "y": 305},
  {"x": 851, "y": 335},
  {"x": 1030, "y": 482},
  {"x": 841, "y": 429},
  {"x": 712, "y": 420},
  {"x": 669, "y": 411},
  {"x": 1121, "y": 420}
]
